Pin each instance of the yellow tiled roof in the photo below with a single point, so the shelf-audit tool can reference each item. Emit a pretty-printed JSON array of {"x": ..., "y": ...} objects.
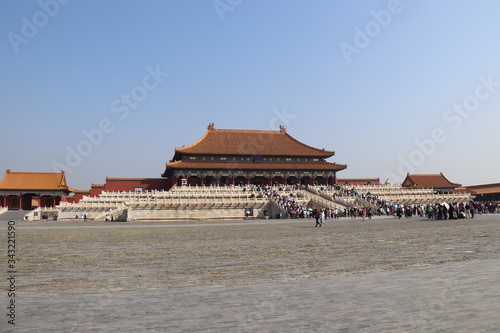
[{"x": 34, "y": 181}]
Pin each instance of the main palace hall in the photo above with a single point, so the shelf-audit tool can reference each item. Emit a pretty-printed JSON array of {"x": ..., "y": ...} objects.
[{"x": 242, "y": 157}]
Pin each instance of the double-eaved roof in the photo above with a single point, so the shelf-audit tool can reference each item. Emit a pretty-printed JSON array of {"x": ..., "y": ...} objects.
[
  {"x": 217, "y": 143},
  {"x": 36, "y": 181}
]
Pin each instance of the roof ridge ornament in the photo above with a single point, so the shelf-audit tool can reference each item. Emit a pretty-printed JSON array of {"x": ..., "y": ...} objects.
[
  {"x": 282, "y": 129},
  {"x": 210, "y": 126}
]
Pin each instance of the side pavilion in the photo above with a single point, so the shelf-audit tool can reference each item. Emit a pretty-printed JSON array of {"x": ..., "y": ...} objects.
[
  {"x": 438, "y": 182},
  {"x": 27, "y": 190},
  {"x": 243, "y": 157}
]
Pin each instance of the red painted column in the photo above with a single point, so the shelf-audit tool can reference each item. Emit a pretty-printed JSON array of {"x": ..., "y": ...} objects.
[
  {"x": 21, "y": 201},
  {"x": 4, "y": 201},
  {"x": 248, "y": 180},
  {"x": 202, "y": 181},
  {"x": 232, "y": 180},
  {"x": 53, "y": 201}
]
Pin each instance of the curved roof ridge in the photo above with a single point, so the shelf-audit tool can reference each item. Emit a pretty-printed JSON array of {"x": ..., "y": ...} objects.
[
  {"x": 194, "y": 144},
  {"x": 449, "y": 180},
  {"x": 34, "y": 172},
  {"x": 305, "y": 145},
  {"x": 242, "y": 130}
]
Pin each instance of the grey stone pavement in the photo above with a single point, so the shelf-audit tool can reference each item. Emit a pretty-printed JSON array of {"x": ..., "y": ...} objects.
[{"x": 461, "y": 296}]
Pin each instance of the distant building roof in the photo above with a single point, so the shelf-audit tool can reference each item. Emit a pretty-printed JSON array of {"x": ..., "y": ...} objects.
[
  {"x": 427, "y": 181},
  {"x": 485, "y": 189},
  {"x": 251, "y": 142},
  {"x": 81, "y": 191},
  {"x": 41, "y": 181}
]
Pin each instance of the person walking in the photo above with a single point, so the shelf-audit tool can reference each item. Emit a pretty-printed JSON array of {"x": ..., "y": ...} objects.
[{"x": 316, "y": 217}]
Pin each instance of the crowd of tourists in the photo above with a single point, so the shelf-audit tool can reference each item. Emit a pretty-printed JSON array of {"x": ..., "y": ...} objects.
[
  {"x": 290, "y": 207},
  {"x": 264, "y": 191},
  {"x": 443, "y": 211},
  {"x": 293, "y": 209},
  {"x": 345, "y": 191},
  {"x": 439, "y": 211},
  {"x": 458, "y": 210}
]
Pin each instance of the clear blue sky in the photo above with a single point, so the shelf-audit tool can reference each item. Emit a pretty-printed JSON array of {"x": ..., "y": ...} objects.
[{"x": 389, "y": 86}]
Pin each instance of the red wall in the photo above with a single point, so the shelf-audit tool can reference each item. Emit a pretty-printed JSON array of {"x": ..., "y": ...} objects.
[
  {"x": 360, "y": 181},
  {"x": 120, "y": 185},
  {"x": 129, "y": 184},
  {"x": 77, "y": 196},
  {"x": 96, "y": 190}
]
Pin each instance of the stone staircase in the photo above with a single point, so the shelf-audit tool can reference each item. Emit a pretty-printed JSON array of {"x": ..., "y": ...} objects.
[
  {"x": 118, "y": 214},
  {"x": 336, "y": 197},
  {"x": 13, "y": 215},
  {"x": 276, "y": 209},
  {"x": 320, "y": 202},
  {"x": 365, "y": 203}
]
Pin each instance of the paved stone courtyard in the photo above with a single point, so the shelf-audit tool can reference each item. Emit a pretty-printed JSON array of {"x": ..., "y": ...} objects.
[{"x": 382, "y": 275}]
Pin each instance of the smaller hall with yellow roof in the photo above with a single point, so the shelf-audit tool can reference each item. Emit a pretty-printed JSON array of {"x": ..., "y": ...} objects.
[{"x": 28, "y": 190}]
